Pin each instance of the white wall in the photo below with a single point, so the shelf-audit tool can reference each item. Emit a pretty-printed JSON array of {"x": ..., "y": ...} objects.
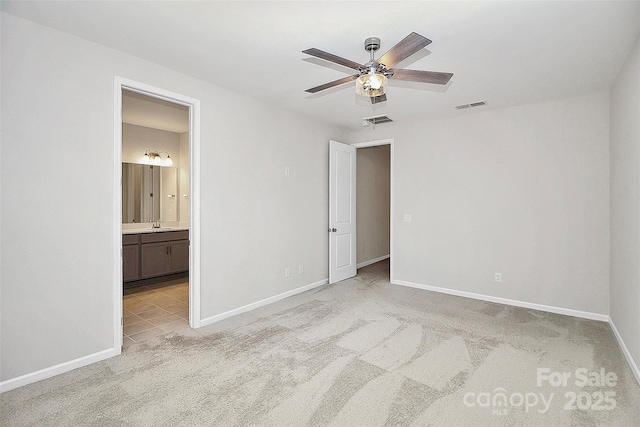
[
  {"x": 625, "y": 203},
  {"x": 373, "y": 202},
  {"x": 58, "y": 145},
  {"x": 523, "y": 191}
]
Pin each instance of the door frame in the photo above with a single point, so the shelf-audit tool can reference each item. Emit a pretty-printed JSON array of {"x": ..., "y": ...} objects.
[
  {"x": 193, "y": 104},
  {"x": 376, "y": 143}
]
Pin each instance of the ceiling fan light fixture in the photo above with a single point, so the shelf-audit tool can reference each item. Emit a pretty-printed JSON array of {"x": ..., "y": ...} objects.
[{"x": 371, "y": 84}]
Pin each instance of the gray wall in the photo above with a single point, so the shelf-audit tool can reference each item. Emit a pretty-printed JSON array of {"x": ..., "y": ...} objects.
[
  {"x": 523, "y": 191},
  {"x": 625, "y": 203},
  {"x": 57, "y": 202},
  {"x": 373, "y": 202}
]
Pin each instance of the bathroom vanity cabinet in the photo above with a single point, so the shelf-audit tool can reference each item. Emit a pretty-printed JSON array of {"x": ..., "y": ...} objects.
[
  {"x": 130, "y": 257},
  {"x": 147, "y": 255}
]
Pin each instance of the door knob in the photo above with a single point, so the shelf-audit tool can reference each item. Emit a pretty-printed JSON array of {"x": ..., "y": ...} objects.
[{"x": 333, "y": 230}]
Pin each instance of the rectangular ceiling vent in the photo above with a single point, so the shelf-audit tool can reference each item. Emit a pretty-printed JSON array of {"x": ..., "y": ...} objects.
[
  {"x": 376, "y": 120},
  {"x": 473, "y": 104}
]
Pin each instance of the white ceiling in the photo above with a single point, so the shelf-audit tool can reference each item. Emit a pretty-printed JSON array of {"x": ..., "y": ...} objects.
[{"x": 504, "y": 53}]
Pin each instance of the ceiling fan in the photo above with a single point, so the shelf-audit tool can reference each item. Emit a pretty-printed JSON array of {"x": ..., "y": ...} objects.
[{"x": 371, "y": 79}]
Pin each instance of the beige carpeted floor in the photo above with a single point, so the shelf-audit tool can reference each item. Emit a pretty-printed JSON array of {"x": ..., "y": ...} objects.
[{"x": 358, "y": 353}]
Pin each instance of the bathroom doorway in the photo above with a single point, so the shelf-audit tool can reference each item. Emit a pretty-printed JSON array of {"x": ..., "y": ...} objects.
[{"x": 157, "y": 280}]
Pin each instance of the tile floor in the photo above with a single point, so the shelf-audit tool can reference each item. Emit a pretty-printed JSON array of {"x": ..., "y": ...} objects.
[{"x": 154, "y": 310}]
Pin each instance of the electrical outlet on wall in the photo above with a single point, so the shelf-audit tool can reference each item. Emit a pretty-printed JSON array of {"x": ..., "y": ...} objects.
[
  {"x": 301, "y": 269},
  {"x": 287, "y": 272},
  {"x": 499, "y": 277}
]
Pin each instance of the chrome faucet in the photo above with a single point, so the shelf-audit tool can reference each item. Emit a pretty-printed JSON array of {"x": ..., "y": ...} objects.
[{"x": 155, "y": 223}]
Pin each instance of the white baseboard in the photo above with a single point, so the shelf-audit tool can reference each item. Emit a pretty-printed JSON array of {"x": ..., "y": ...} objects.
[
  {"x": 257, "y": 304},
  {"x": 372, "y": 261},
  {"x": 625, "y": 351},
  {"x": 516, "y": 303},
  {"x": 56, "y": 370}
]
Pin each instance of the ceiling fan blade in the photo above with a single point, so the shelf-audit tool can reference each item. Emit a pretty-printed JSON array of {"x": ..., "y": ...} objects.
[
  {"x": 404, "y": 49},
  {"x": 332, "y": 84},
  {"x": 422, "y": 76},
  {"x": 378, "y": 99},
  {"x": 333, "y": 58}
]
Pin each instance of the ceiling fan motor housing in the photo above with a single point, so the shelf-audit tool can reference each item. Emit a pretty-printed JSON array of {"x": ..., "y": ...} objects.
[{"x": 372, "y": 44}]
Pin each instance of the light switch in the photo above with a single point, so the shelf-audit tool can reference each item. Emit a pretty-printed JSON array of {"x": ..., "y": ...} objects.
[
  {"x": 287, "y": 171},
  {"x": 406, "y": 218}
]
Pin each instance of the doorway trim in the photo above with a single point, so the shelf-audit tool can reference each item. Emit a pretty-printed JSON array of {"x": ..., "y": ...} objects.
[
  {"x": 376, "y": 143},
  {"x": 121, "y": 83}
]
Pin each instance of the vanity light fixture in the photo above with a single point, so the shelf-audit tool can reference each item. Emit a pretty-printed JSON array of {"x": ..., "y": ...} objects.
[{"x": 154, "y": 157}]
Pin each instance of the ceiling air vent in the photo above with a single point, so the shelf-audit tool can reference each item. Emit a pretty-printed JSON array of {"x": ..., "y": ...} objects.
[
  {"x": 473, "y": 104},
  {"x": 376, "y": 120}
]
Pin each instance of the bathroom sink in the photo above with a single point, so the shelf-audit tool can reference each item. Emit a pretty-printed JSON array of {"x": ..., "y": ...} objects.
[{"x": 170, "y": 229}]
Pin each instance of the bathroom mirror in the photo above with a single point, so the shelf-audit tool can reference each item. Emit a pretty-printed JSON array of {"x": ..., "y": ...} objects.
[{"x": 149, "y": 193}]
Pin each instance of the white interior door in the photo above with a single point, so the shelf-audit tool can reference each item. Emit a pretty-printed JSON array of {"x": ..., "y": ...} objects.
[{"x": 342, "y": 211}]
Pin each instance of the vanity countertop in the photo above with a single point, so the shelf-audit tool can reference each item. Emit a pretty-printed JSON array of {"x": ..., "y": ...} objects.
[{"x": 153, "y": 230}]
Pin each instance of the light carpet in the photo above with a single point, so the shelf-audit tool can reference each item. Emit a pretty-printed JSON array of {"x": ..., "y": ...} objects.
[{"x": 361, "y": 352}]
